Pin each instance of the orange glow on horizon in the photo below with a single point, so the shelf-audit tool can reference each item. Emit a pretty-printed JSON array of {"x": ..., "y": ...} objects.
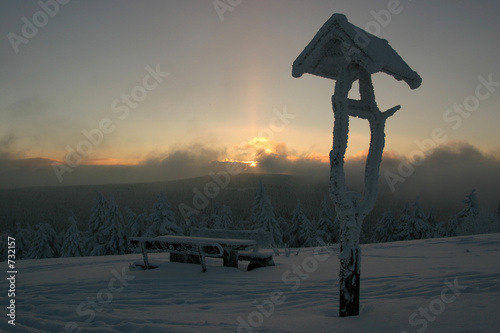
[{"x": 111, "y": 161}]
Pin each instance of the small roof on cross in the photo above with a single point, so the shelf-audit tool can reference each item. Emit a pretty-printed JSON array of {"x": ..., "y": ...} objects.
[{"x": 339, "y": 42}]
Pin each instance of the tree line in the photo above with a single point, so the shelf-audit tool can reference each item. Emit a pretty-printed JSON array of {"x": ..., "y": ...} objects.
[{"x": 108, "y": 227}]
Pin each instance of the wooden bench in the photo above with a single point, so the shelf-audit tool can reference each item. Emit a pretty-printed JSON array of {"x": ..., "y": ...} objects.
[
  {"x": 191, "y": 249},
  {"x": 256, "y": 257}
]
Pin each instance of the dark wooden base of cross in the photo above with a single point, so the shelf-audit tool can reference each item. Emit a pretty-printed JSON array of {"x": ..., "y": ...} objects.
[{"x": 349, "y": 281}]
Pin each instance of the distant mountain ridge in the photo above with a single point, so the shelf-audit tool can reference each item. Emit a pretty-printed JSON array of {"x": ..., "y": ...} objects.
[{"x": 55, "y": 204}]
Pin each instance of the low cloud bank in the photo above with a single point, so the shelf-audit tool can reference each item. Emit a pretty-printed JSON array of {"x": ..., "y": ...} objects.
[{"x": 445, "y": 175}]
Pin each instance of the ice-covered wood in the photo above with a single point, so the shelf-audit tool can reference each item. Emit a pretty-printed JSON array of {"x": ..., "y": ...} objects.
[
  {"x": 339, "y": 42},
  {"x": 345, "y": 53},
  {"x": 262, "y": 238}
]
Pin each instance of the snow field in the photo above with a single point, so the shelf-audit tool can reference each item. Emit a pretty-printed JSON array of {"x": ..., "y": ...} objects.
[{"x": 400, "y": 280}]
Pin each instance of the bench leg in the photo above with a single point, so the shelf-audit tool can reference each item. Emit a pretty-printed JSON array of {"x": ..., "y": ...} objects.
[
  {"x": 201, "y": 255},
  {"x": 145, "y": 255},
  {"x": 230, "y": 259}
]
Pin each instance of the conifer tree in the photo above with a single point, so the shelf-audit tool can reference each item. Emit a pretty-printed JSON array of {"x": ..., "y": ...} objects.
[
  {"x": 94, "y": 240},
  {"x": 421, "y": 227},
  {"x": 301, "y": 228},
  {"x": 293, "y": 231},
  {"x": 114, "y": 230},
  {"x": 433, "y": 224},
  {"x": 327, "y": 228},
  {"x": 262, "y": 216},
  {"x": 468, "y": 218},
  {"x": 23, "y": 240},
  {"x": 452, "y": 226},
  {"x": 202, "y": 221},
  {"x": 226, "y": 218},
  {"x": 136, "y": 223},
  {"x": 386, "y": 228},
  {"x": 308, "y": 233},
  {"x": 403, "y": 222},
  {"x": 3, "y": 247},
  {"x": 413, "y": 223},
  {"x": 44, "y": 243},
  {"x": 215, "y": 219},
  {"x": 498, "y": 217},
  {"x": 72, "y": 242},
  {"x": 162, "y": 219}
]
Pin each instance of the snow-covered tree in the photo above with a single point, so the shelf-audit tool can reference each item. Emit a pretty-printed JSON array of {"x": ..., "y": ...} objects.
[
  {"x": 3, "y": 246},
  {"x": 498, "y": 217},
  {"x": 72, "y": 242},
  {"x": 413, "y": 223},
  {"x": 451, "y": 228},
  {"x": 293, "y": 230},
  {"x": 283, "y": 227},
  {"x": 23, "y": 240},
  {"x": 308, "y": 233},
  {"x": 136, "y": 223},
  {"x": 94, "y": 241},
  {"x": 468, "y": 218},
  {"x": 386, "y": 228},
  {"x": 44, "y": 242},
  {"x": 327, "y": 227},
  {"x": 404, "y": 222},
  {"x": 487, "y": 222},
  {"x": 440, "y": 230},
  {"x": 161, "y": 219},
  {"x": 262, "y": 216},
  {"x": 105, "y": 234},
  {"x": 302, "y": 232},
  {"x": 215, "y": 221},
  {"x": 434, "y": 225},
  {"x": 202, "y": 221},
  {"x": 421, "y": 226},
  {"x": 226, "y": 218},
  {"x": 114, "y": 230}
]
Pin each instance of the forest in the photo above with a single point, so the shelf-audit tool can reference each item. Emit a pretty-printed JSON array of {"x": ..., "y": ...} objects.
[{"x": 109, "y": 225}]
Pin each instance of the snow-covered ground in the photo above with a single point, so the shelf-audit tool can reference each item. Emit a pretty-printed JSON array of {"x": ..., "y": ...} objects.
[{"x": 435, "y": 285}]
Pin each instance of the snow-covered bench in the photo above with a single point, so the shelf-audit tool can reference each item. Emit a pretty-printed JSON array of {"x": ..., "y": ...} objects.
[
  {"x": 256, "y": 257},
  {"x": 192, "y": 249}
]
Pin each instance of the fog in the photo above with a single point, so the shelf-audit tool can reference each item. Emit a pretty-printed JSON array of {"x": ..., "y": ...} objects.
[{"x": 443, "y": 177}]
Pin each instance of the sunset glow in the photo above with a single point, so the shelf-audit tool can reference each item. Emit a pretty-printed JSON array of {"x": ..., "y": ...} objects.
[{"x": 194, "y": 90}]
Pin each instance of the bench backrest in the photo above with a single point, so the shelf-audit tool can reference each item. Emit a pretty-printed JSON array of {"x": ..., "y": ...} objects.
[{"x": 263, "y": 238}]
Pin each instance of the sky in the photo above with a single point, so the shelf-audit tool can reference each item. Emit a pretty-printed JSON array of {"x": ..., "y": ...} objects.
[{"x": 160, "y": 90}]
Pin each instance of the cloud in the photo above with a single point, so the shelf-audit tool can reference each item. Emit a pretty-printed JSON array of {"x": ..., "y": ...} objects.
[
  {"x": 186, "y": 162},
  {"x": 443, "y": 178},
  {"x": 450, "y": 172},
  {"x": 191, "y": 161},
  {"x": 32, "y": 123}
]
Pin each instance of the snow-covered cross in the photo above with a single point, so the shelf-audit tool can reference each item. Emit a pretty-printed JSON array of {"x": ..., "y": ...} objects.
[{"x": 345, "y": 53}]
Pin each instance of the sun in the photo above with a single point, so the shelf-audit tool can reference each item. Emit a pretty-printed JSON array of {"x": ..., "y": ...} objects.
[{"x": 253, "y": 164}]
